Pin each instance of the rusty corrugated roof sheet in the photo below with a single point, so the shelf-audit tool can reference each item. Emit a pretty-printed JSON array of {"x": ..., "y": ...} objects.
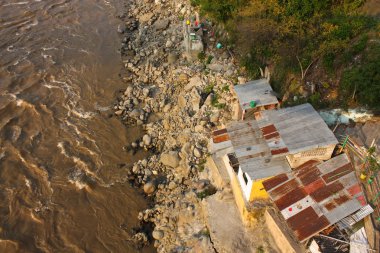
[
  {"x": 220, "y": 143},
  {"x": 316, "y": 195}
]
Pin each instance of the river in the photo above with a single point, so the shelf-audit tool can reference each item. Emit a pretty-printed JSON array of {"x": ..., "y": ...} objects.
[{"x": 62, "y": 183}]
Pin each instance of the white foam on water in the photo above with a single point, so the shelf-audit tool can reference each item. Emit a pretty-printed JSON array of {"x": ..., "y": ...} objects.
[
  {"x": 41, "y": 172},
  {"x": 25, "y": 104},
  {"x": 102, "y": 108},
  {"x": 81, "y": 165},
  {"x": 27, "y": 182}
]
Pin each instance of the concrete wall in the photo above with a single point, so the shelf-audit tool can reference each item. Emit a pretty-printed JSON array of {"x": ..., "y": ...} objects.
[
  {"x": 240, "y": 199},
  {"x": 321, "y": 154},
  {"x": 282, "y": 238},
  {"x": 247, "y": 217}
]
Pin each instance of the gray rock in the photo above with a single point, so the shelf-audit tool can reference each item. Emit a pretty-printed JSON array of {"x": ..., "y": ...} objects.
[
  {"x": 170, "y": 159},
  {"x": 121, "y": 28},
  {"x": 198, "y": 128},
  {"x": 168, "y": 44},
  {"x": 195, "y": 100},
  {"x": 215, "y": 67},
  {"x": 149, "y": 187},
  {"x": 197, "y": 153},
  {"x": 135, "y": 113},
  {"x": 147, "y": 140},
  {"x": 172, "y": 185},
  {"x": 146, "y": 17},
  {"x": 147, "y": 172},
  {"x": 172, "y": 58},
  {"x": 119, "y": 112},
  {"x": 161, "y": 24},
  {"x": 146, "y": 92},
  {"x": 158, "y": 234},
  {"x": 195, "y": 81},
  {"x": 182, "y": 102},
  {"x": 167, "y": 108}
]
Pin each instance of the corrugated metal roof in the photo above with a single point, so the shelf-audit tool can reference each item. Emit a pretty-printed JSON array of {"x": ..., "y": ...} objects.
[
  {"x": 350, "y": 220},
  {"x": 255, "y": 153},
  {"x": 261, "y": 145},
  {"x": 316, "y": 195},
  {"x": 259, "y": 91},
  {"x": 300, "y": 127},
  {"x": 220, "y": 143}
]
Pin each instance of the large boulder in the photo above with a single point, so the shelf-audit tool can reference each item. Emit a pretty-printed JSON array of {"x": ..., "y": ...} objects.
[
  {"x": 146, "y": 17},
  {"x": 170, "y": 159},
  {"x": 215, "y": 67},
  {"x": 161, "y": 24},
  {"x": 195, "y": 81},
  {"x": 158, "y": 234},
  {"x": 146, "y": 140},
  {"x": 149, "y": 187}
]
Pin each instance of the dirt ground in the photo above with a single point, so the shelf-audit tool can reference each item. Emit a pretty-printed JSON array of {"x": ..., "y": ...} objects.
[{"x": 227, "y": 232}]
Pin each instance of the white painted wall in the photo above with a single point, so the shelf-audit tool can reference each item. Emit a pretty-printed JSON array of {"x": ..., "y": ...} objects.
[{"x": 245, "y": 187}]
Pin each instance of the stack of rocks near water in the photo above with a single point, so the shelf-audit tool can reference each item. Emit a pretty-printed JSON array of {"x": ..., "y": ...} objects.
[{"x": 177, "y": 103}]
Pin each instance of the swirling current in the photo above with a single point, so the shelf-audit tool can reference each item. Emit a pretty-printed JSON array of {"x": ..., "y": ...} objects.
[{"x": 62, "y": 188}]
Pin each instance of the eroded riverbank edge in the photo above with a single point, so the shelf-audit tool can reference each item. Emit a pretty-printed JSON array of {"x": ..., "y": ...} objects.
[{"x": 177, "y": 102}]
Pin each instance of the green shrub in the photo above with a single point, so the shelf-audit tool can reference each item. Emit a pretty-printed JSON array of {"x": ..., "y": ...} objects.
[
  {"x": 201, "y": 56},
  {"x": 328, "y": 61},
  {"x": 221, "y": 10},
  {"x": 208, "y": 89},
  {"x": 209, "y": 59},
  {"x": 260, "y": 249},
  {"x": 363, "y": 80},
  {"x": 210, "y": 190}
]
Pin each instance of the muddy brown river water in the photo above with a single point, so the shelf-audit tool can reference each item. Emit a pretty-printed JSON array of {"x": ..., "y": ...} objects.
[{"x": 62, "y": 188}]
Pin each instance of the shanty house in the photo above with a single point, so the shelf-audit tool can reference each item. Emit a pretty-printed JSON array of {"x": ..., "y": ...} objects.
[
  {"x": 299, "y": 132},
  {"x": 277, "y": 141},
  {"x": 317, "y": 195},
  {"x": 254, "y": 96}
]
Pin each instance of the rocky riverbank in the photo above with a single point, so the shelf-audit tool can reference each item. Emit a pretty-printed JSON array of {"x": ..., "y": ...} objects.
[{"x": 177, "y": 102}]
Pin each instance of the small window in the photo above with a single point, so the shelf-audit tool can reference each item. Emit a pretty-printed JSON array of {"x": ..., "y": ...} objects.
[
  {"x": 245, "y": 178},
  {"x": 234, "y": 162}
]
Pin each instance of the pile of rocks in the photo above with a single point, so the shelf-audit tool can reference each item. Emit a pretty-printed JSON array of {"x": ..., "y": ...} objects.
[{"x": 177, "y": 103}]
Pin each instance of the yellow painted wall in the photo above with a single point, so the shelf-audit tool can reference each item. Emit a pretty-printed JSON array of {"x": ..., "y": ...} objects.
[{"x": 257, "y": 191}]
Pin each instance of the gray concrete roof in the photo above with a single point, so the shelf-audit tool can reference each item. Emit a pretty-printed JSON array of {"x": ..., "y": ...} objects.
[{"x": 259, "y": 91}]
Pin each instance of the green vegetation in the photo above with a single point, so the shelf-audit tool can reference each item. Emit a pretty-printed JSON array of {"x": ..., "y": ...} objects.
[
  {"x": 210, "y": 190},
  {"x": 362, "y": 81},
  {"x": 373, "y": 166},
  {"x": 201, "y": 56},
  {"x": 215, "y": 101},
  {"x": 260, "y": 249},
  {"x": 327, "y": 42},
  {"x": 221, "y": 10},
  {"x": 209, "y": 88}
]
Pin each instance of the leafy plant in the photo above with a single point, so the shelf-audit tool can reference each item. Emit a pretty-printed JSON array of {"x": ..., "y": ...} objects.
[
  {"x": 209, "y": 59},
  {"x": 362, "y": 82},
  {"x": 201, "y": 56},
  {"x": 209, "y": 88}
]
